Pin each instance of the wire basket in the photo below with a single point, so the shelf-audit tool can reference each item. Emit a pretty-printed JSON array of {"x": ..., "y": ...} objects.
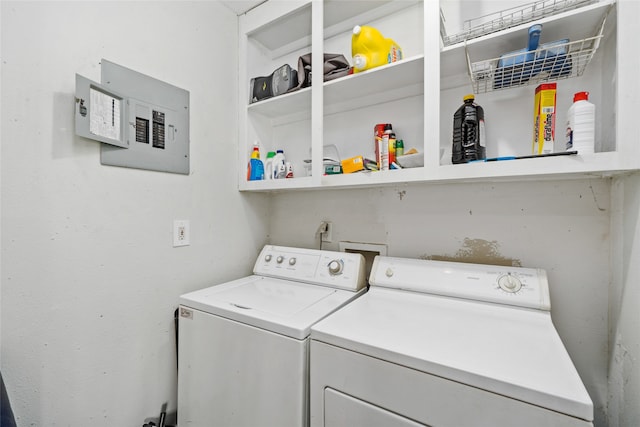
[
  {"x": 508, "y": 18},
  {"x": 561, "y": 59},
  {"x": 554, "y": 61}
]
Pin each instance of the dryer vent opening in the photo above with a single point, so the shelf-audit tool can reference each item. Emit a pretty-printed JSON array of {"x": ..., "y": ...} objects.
[{"x": 368, "y": 250}]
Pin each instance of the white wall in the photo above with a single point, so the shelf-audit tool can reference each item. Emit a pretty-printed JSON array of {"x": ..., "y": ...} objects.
[
  {"x": 624, "y": 327},
  {"x": 89, "y": 275},
  {"x": 560, "y": 226}
]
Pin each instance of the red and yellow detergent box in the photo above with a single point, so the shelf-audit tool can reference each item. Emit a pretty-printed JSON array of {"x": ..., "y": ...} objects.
[{"x": 544, "y": 119}]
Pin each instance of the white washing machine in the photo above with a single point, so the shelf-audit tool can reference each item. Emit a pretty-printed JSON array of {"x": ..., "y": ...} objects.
[
  {"x": 445, "y": 344},
  {"x": 244, "y": 345}
]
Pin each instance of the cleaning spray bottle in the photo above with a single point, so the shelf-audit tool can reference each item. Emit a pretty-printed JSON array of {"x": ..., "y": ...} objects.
[
  {"x": 255, "y": 169},
  {"x": 369, "y": 49}
]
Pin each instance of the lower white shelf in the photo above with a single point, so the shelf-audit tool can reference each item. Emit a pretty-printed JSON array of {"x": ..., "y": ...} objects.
[
  {"x": 277, "y": 184},
  {"x": 562, "y": 167}
]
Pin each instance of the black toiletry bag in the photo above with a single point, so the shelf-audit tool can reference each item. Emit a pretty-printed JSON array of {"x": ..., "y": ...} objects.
[{"x": 277, "y": 83}]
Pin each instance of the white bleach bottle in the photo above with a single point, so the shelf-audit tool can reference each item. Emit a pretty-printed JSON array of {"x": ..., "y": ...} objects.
[
  {"x": 279, "y": 165},
  {"x": 581, "y": 121}
]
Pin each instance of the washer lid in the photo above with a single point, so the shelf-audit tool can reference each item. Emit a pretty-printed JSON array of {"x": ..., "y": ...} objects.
[
  {"x": 282, "y": 306},
  {"x": 507, "y": 350}
]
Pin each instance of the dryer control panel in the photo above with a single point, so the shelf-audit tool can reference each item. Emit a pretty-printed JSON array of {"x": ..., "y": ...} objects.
[
  {"x": 341, "y": 270},
  {"x": 519, "y": 286}
]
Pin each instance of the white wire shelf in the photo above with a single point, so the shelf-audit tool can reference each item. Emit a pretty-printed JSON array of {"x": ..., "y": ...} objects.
[
  {"x": 562, "y": 60},
  {"x": 557, "y": 60},
  {"x": 498, "y": 21}
]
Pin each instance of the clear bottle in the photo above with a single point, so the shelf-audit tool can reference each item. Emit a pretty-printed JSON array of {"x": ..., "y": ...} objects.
[
  {"x": 581, "y": 124},
  {"x": 468, "y": 132}
]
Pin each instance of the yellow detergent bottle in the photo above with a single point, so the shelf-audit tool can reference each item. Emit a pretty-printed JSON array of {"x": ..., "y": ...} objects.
[{"x": 369, "y": 49}]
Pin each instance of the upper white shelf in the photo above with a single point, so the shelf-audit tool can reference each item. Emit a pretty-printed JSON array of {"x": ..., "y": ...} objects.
[
  {"x": 386, "y": 83},
  {"x": 393, "y": 81},
  {"x": 283, "y": 105},
  {"x": 281, "y": 27},
  {"x": 287, "y": 27},
  {"x": 341, "y": 15}
]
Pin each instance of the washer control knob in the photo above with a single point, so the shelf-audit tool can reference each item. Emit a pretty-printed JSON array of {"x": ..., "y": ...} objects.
[
  {"x": 292, "y": 261},
  {"x": 335, "y": 267},
  {"x": 509, "y": 283},
  {"x": 267, "y": 258},
  {"x": 389, "y": 272},
  {"x": 279, "y": 259}
]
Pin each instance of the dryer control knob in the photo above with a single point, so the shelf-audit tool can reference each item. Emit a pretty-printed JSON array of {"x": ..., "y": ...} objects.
[
  {"x": 509, "y": 283},
  {"x": 389, "y": 272},
  {"x": 267, "y": 258},
  {"x": 335, "y": 267},
  {"x": 292, "y": 261},
  {"x": 280, "y": 259}
]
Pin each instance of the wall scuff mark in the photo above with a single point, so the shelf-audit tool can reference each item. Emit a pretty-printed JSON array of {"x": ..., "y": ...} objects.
[
  {"x": 593, "y": 193},
  {"x": 478, "y": 251}
]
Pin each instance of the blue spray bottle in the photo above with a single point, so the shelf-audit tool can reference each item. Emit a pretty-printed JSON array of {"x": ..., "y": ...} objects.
[{"x": 255, "y": 169}]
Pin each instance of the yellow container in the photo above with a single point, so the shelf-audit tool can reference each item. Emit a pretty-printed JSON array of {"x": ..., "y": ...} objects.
[
  {"x": 353, "y": 164},
  {"x": 544, "y": 118},
  {"x": 370, "y": 49}
]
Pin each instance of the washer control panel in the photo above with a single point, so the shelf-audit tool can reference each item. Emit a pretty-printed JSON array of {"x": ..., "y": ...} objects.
[
  {"x": 335, "y": 269},
  {"x": 519, "y": 286}
]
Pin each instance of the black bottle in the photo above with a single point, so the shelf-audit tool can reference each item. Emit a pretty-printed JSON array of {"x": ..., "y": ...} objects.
[{"x": 468, "y": 132}]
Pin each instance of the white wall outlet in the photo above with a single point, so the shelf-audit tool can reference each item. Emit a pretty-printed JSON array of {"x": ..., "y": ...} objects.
[
  {"x": 180, "y": 232},
  {"x": 327, "y": 235}
]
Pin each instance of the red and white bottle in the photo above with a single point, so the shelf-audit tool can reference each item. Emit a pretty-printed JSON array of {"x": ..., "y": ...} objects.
[{"x": 581, "y": 124}]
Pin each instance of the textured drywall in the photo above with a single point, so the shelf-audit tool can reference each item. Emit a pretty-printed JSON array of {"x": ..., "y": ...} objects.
[
  {"x": 90, "y": 279},
  {"x": 560, "y": 226},
  {"x": 624, "y": 315}
]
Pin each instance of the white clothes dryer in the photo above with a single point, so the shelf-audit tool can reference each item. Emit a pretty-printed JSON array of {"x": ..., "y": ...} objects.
[
  {"x": 445, "y": 344},
  {"x": 243, "y": 346}
]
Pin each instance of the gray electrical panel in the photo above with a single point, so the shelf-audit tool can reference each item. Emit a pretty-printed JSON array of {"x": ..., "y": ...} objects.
[{"x": 142, "y": 122}]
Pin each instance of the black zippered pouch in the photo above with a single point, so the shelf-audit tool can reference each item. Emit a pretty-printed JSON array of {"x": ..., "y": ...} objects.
[{"x": 280, "y": 81}]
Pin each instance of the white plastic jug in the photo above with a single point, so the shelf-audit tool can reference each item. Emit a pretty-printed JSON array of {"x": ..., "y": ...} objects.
[{"x": 581, "y": 124}]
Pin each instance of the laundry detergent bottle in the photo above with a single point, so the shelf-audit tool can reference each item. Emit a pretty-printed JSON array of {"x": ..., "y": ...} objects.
[
  {"x": 255, "y": 169},
  {"x": 370, "y": 49},
  {"x": 268, "y": 165}
]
